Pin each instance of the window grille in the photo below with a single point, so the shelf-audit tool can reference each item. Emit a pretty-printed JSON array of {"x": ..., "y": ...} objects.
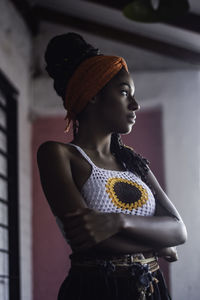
[{"x": 9, "y": 237}]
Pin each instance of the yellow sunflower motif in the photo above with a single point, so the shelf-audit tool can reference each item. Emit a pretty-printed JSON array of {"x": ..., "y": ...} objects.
[{"x": 126, "y": 194}]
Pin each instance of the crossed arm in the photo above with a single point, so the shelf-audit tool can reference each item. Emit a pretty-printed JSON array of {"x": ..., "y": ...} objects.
[{"x": 86, "y": 228}]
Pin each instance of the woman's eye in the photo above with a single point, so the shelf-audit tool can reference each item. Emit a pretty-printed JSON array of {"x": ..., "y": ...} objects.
[{"x": 124, "y": 93}]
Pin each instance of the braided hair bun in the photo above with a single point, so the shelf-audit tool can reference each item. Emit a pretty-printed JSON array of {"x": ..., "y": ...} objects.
[{"x": 63, "y": 55}]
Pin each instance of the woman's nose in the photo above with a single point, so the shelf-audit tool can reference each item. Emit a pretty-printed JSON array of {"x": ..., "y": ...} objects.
[{"x": 133, "y": 105}]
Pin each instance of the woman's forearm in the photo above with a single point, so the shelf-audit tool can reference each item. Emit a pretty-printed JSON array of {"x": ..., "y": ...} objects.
[
  {"x": 164, "y": 229},
  {"x": 155, "y": 232},
  {"x": 88, "y": 228},
  {"x": 120, "y": 244}
]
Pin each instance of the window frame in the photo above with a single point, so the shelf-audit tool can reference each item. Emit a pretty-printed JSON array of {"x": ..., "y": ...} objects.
[{"x": 10, "y": 95}]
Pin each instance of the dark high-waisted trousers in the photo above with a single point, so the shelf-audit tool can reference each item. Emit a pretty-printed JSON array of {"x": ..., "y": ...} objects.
[{"x": 104, "y": 283}]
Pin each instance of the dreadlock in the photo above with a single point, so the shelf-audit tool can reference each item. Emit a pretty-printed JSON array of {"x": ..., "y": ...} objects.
[
  {"x": 134, "y": 162},
  {"x": 75, "y": 127}
]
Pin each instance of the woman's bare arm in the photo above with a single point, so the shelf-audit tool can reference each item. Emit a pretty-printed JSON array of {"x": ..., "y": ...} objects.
[
  {"x": 64, "y": 198},
  {"x": 85, "y": 227},
  {"x": 165, "y": 229},
  {"x": 56, "y": 178}
]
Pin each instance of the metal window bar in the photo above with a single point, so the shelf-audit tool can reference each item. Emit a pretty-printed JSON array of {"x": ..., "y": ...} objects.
[
  {"x": 3, "y": 153},
  {"x": 9, "y": 233},
  {"x": 3, "y": 201},
  {"x": 3, "y": 129},
  {"x": 4, "y": 251}
]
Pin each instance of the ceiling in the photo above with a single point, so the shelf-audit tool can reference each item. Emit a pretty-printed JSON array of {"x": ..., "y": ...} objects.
[
  {"x": 179, "y": 40},
  {"x": 194, "y": 4}
]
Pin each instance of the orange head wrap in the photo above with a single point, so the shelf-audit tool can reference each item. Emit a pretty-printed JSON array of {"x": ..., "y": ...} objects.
[{"x": 88, "y": 79}]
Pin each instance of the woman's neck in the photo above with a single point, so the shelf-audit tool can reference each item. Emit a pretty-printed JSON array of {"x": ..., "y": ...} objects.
[{"x": 93, "y": 140}]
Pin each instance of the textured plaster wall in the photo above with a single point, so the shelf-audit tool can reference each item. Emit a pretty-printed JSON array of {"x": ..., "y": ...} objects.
[{"x": 178, "y": 93}]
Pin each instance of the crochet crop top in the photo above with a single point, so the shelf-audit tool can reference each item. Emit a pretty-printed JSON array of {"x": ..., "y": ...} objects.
[{"x": 116, "y": 191}]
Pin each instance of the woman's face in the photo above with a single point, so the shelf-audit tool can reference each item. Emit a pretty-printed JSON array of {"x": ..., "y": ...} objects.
[{"x": 117, "y": 105}]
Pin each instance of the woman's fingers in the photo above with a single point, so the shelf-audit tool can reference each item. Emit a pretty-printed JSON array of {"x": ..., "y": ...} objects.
[
  {"x": 81, "y": 242},
  {"x": 75, "y": 219},
  {"x": 77, "y": 213},
  {"x": 170, "y": 258},
  {"x": 170, "y": 254},
  {"x": 88, "y": 227}
]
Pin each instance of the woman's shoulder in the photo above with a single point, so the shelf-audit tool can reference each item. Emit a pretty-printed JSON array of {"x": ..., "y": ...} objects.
[
  {"x": 63, "y": 161},
  {"x": 54, "y": 150},
  {"x": 54, "y": 147}
]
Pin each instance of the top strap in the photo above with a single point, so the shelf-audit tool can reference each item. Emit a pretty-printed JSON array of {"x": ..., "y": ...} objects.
[{"x": 83, "y": 154}]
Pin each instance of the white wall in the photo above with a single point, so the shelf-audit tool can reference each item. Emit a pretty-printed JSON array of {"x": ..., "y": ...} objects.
[
  {"x": 179, "y": 94},
  {"x": 15, "y": 60}
]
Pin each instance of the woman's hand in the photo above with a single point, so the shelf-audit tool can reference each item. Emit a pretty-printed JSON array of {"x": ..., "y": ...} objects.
[
  {"x": 86, "y": 227},
  {"x": 170, "y": 254}
]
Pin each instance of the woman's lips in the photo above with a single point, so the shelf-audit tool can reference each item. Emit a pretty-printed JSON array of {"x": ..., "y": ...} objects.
[{"x": 131, "y": 118}]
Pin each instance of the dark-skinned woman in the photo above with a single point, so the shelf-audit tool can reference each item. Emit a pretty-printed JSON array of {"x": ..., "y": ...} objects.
[{"x": 106, "y": 201}]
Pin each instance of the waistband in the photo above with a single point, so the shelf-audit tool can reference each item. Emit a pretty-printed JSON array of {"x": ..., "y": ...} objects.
[{"x": 117, "y": 263}]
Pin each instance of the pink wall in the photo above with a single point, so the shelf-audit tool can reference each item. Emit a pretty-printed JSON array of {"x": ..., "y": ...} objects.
[{"x": 50, "y": 252}]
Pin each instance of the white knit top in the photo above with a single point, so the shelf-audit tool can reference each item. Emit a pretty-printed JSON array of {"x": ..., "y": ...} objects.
[{"x": 116, "y": 191}]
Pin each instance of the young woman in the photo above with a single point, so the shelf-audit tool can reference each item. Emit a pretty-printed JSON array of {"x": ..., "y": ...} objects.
[{"x": 107, "y": 202}]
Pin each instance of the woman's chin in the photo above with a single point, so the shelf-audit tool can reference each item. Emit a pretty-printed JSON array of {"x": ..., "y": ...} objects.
[{"x": 126, "y": 130}]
